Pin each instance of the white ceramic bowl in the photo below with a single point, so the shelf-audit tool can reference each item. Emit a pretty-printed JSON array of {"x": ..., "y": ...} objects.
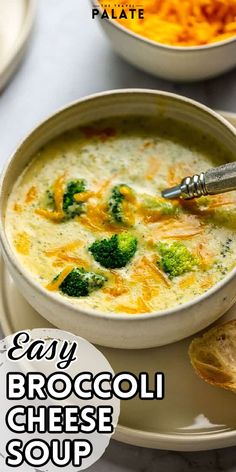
[
  {"x": 182, "y": 64},
  {"x": 118, "y": 330}
]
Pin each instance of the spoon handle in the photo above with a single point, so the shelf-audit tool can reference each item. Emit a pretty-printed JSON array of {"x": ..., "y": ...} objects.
[
  {"x": 214, "y": 181},
  {"x": 221, "y": 179}
]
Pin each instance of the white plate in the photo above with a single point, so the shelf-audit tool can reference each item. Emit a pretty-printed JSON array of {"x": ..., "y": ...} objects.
[
  {"x": 16, "y": 20},
  {"x": 193, "y": 416}
]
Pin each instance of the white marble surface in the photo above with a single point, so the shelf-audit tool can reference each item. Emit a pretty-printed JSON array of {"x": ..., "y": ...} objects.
[{"x": 69, "y": 57}]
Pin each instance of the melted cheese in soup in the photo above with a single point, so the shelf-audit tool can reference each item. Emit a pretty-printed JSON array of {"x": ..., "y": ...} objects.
[{"x": 182, "y": 248}]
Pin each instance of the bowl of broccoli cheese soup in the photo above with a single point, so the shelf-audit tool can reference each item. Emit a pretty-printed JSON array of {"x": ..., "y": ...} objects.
[{"x": 87, "y": 237}]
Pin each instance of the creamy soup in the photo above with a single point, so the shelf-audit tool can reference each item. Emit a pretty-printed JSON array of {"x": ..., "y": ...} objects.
[{"x": 87, "y": 220}]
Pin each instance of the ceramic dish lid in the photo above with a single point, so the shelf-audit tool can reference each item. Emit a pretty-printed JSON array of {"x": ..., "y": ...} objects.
[{"x": 16, "y": 21}]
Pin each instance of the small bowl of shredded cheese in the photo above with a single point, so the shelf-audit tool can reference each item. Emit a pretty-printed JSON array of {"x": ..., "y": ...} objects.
[{"x": 176, "y": 40}]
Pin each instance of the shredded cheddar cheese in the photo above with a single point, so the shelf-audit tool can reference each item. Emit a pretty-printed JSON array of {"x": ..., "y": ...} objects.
[
  {"x": 55, "y": 284},
  {"x": 64, "y": 248},
  {"x": 102, "y": 188},
  {"x": 96, "y": 219},
  {"x": 156, "y": 271},
  {"x": 205, "y": 256},
  {"x": 187, "y": 281},
  {"x": 221, "y": 200},
  {"x": 118, "y": 287},
  {"x": 140, "y": 306},
  {"x": 186, "y": 227},
  {"x": 181, "y": 23},
  {"x": 128, "y": 194},
  {"x": 61, "y": 255},
  {"x": 17, "y": 207},
  {"x": 207, "y": 282},
  {"x": 31, "y": 195},
  {"x": 146, "y": 270},
  {"x": 83, "y": 196},
  {"x": 22, "y": 243},
  {"x": 58, "y": 191},
  {"x": 78, "y": 261},
  {"x": 50, "y": 215}
]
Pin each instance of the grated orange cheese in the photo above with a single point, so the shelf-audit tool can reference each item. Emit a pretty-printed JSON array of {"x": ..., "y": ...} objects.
[
  {"x": 216, "y": 201},
  {"x": 55, "y": 284},
  {"x": 187, "y": 281},
  {"x": 186, "y": 227},
  {"x": 31, "y": 195},
  {"x": 58, "y": 192},
  {"x": 186, "y": 235},
  {"x": 207, "y": 282},
  {"x": 83, "y": 196},
  {"x": 17, "y": 207},
  {"x": 129, "y": 214},
  {"x": 50, "y": 215},
  {"x": 205, "y": 257},
  {"x": 128, "y": 194},
  {"x": 181, "y": 23},
  {"x": 139, "y": 307},
  {"x": 103, "y": 187},
  {"x": 156, "y": 271},
  {"x": 141, "y": 275},
  {"x": 22, "y": 243},
  {"x": 146, "y": 270},
  {"x": 78, "y": 261},
  {"x": 96, "y": 219},
  {"x": 62, "y": 255},
  {"x": 66, "y": 247},
  {"x": 176, "y": 172},
  {"x": 119, "y": 287},
  {"x": 208, "y": 206}
]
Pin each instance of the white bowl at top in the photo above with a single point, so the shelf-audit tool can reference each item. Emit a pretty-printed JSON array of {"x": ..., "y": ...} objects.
[
  {"x": 109, "y": 329},
  {"x": 182, "y": 64}
]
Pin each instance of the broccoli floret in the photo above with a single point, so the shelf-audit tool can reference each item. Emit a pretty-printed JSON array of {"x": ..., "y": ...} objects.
[
  {"x": 155, "y": 205},
  {"x": 120, "y": 194},
  {"x": 80, "y": 283},
  {"x": 115, "y": 252},
  {"x": 70, "y": 207},
  {"x": 175, "y": 259}
]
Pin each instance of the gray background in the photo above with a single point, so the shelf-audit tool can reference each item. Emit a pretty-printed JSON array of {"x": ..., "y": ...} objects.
[{"x": 68, "y": 58}]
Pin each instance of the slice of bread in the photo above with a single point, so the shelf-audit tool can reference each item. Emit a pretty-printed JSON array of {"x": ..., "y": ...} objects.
[{"x": 213, "y": 356}]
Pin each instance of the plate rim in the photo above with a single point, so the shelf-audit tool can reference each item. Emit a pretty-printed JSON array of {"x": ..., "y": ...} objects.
[
  {"x": 16, "y": 53},
  {"x": 136, "y": 437}
]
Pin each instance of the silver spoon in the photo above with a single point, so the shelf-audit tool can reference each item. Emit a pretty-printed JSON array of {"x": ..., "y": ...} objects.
[{"x": 214, "y": 181}]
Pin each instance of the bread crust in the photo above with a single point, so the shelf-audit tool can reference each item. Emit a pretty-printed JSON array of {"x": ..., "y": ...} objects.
[{"x": 213, "y": 356}]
